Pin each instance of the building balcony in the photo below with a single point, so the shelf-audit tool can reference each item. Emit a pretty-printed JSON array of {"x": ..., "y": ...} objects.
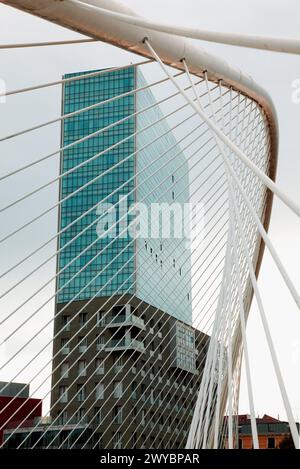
[
  {"x": 65, "y": 350},
  {"x": 122, "y": 320},
  {"x": 126, "y": 343},
  {"x": 117, "y": 368},
  {"x": 188, "y": 365},
  {"x": 82, "y": 348}
]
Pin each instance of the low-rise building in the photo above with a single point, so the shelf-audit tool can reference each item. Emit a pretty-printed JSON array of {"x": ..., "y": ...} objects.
[
  {"x": 271, "y": 432},
  {"x": 16, "y": 405}
]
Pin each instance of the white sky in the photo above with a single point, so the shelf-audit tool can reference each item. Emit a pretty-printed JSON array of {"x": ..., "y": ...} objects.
[{"x": 273, "y": 71}]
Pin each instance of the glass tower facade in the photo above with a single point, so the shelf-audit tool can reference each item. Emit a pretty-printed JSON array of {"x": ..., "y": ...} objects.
[
  {"x": 107, "y": 272},
  {"x": 119, "y": 264}
]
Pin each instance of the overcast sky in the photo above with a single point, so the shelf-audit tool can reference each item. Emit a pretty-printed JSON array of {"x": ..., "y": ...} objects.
[{"x": 275, "y": 72}]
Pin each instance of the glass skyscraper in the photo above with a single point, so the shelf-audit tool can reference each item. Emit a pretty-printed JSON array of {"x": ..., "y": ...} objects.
[
  {"x": 133, "y": 169},
  {"x": 123, "y": 325}
]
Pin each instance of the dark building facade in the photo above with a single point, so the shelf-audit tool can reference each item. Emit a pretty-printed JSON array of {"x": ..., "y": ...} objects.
[{"x": 131, "y": 374}]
